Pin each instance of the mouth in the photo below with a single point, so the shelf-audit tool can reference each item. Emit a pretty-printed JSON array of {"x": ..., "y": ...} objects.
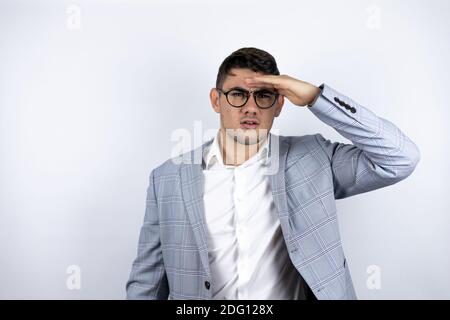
[{"x": 249, "y": 124}]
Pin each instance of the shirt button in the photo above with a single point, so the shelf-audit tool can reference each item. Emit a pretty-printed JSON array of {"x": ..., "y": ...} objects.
[{"x": 207, "y": 285}]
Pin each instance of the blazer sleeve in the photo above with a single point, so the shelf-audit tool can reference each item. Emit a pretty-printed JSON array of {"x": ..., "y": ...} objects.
[
  {"x": 148, "y": 279},
  {"x": 380, "y": 153}
]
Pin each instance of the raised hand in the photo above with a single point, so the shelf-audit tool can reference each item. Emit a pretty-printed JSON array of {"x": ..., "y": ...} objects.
[{"x": 299, "y": 92}]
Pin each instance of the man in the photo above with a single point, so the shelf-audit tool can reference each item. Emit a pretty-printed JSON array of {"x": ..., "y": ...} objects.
[{"x": 226, "y": 227}]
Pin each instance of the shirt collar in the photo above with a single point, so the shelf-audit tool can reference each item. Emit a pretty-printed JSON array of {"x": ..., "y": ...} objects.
[{"x": 213, "y": 155}]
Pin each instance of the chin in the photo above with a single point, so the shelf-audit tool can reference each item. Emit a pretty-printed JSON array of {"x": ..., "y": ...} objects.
[{"x": 248, "y": 136}]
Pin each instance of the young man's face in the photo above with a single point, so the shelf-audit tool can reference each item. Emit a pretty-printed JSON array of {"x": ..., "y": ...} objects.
[{"x": 231, "y": 118}]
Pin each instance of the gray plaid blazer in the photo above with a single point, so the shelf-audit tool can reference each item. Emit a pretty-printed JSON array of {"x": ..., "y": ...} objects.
[{"x": 312, "y": 172}]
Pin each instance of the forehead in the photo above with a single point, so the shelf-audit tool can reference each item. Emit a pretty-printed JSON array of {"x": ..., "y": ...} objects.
[{"x": 236, "y": 78}]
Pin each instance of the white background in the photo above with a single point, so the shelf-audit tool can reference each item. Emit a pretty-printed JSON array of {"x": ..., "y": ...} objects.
[{"x": 86, "y": 113}]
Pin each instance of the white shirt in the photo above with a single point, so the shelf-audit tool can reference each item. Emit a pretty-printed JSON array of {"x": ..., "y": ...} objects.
[{"x": 247, "y": 252}]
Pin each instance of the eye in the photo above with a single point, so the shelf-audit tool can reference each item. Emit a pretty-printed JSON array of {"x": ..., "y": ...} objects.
[
  {"x": 265, "y": 95},
  {"x": 237, "y": 94}
]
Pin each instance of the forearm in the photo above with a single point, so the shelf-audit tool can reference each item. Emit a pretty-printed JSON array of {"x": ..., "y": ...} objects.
[{"x": 380, "y": 140}]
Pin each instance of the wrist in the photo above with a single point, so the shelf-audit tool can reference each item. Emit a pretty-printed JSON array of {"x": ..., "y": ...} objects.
[{"x": 314, "y": 95}]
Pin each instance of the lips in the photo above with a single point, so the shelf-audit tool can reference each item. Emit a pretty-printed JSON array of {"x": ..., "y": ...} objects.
[{"x": 249, "y": 123}]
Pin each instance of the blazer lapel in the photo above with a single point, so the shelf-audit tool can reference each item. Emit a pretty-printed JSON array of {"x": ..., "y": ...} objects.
[
  {"x": 192, "y": 188},
  {"x": 278, "y": 153}
]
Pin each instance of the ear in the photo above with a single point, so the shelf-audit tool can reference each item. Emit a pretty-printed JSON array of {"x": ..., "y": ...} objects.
[
  {"x": 279, "y": 105},
  {"x": 214, "y": 96}
]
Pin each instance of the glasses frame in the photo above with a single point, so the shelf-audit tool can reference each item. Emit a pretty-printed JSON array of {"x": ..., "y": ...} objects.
[{"x": 247, "y": 93}]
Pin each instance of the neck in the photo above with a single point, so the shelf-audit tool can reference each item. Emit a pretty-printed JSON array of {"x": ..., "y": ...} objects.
[{"x": 235, "y": 153}]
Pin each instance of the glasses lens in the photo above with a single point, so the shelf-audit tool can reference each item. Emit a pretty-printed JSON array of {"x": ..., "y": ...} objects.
[
  {"x": 237, "y": 98},
  {"x": 265, "y": 99}
]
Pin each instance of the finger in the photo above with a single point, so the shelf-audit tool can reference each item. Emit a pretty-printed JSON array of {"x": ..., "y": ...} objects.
[
  {"x": 262, "y": 86},
  {"x": 268, "y": 79},
  {"x": 256, "y": 83}
]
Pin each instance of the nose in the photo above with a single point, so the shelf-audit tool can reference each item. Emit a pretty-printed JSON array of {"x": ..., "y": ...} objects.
[{"x": 250, "y": 106}]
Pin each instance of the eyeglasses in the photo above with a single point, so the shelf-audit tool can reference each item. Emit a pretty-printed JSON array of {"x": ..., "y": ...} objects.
[{"x": 238, "y": 97}]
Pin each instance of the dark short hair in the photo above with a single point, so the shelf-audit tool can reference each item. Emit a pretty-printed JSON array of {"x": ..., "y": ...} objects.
[{"x": 247, "y": 58}]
